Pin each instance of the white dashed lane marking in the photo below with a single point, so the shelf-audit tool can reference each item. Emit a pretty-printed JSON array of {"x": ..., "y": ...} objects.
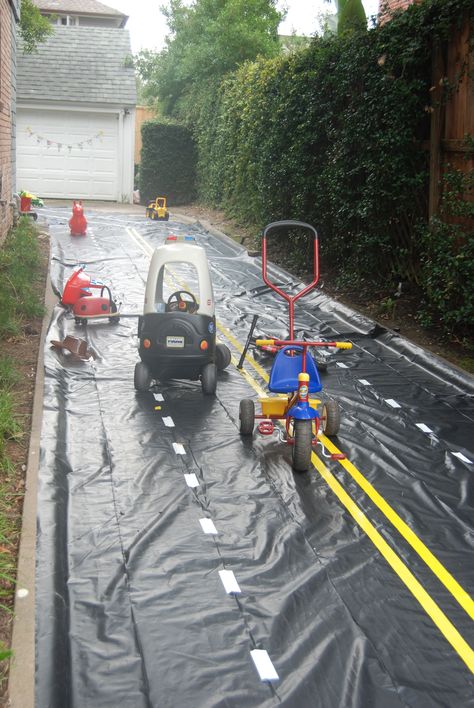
[
  {"x": 264, "y": 665},
  {"x": 207, "y": 526},
  {"x": 229, "y": 582}
]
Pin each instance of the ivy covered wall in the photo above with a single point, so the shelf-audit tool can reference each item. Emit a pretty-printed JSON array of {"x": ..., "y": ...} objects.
[
  {"x": 168, "y": 158},
  {"x": 335, "y": 135}
]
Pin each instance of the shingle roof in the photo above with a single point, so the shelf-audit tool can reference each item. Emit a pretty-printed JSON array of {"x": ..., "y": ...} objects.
[
  {"x": 79, "y": 64},
  {"x": 82, "y": 7}
]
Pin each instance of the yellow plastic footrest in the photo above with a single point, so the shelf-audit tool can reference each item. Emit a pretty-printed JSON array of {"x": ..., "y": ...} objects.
[{"x": 273, "y": 406}]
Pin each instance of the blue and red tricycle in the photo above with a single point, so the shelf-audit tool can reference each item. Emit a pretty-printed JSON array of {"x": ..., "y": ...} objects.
[{"x": 294, "y": 375}]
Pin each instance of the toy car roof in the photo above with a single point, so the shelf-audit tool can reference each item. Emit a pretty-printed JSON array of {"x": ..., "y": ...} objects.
[{"x": 180, "y": 250}]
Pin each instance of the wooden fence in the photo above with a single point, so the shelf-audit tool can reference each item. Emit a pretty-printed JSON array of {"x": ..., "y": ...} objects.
[
  {"x": 142, "y": 114},
  {"x": 452, "y": 120}
]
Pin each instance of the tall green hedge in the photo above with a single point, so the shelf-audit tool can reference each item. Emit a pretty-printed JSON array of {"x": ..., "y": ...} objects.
[
  {"x": 335, "y": 135},
  {"x": 168, "y": 161}
]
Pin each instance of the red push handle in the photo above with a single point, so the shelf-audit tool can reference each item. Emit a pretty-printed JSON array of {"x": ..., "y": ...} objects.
[{"x": 290, "y": 299}]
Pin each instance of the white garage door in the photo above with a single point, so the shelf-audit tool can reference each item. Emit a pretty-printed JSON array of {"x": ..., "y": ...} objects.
[{"x": 67, "y": 154}]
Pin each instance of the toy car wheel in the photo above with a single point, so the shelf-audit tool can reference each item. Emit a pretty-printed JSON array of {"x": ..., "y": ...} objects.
[
  {"x": 167, "y": 217},
  {"x": 78, "y": 320},
  {"x": 223, "y": 356},
  {"x": 141, "y": 377},
  {"x": 330, "y": 417},
  {"x": 301, "y": 450},
  {"x": 113, "y": 309},
  {"x": 247, "y": 416},
  {"x": 209, "y": 379}
]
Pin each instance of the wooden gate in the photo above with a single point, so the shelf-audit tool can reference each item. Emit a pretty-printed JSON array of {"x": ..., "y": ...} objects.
[
  {"x": 142, "y": 114},
  {"x": 452, "y": 118}
]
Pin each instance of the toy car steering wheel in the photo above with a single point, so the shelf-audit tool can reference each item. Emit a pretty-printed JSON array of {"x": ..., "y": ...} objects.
[{"x": 177, "y": 304}]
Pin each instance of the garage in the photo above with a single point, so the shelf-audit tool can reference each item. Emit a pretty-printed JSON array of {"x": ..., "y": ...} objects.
[
  {"x": 68, "y": 155},
  {"x": 75, "y": 122}
]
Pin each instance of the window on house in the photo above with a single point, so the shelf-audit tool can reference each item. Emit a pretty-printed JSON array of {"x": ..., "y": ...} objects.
[{"x": 67, "y": 20}]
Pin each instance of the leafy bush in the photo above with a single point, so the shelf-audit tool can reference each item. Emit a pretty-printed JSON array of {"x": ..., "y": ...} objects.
[
  {"x": 19, "y": 260},
  {"x": 447, "y": 277},
  {"x": 332, "y": 134},
  {"x": 167, "y": 163}
]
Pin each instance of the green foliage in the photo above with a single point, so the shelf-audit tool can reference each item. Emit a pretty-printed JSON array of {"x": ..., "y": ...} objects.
[
  {"x": 326, "y": 135},
  {"x": 19, "y": 261},
  {"x": 8, "y": 374},
  {"x": 332, "y": 134},
  {"x": 167, "y": 163},
  {"x": 447, "y": 277},
  {"x": 208, "y": 39},
  {"x": 458, "y": 186},
  {"x": 34, "y": 28},
  {"x": 351, "y": 16}
]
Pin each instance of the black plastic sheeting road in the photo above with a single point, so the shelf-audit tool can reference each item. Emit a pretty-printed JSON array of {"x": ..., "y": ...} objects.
[{"x": 131, "y": 610}]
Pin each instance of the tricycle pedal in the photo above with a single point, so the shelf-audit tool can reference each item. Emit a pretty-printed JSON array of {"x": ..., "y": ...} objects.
[
  {"x": 338, "y": 456},
  {"x": 266, "y": 427}
]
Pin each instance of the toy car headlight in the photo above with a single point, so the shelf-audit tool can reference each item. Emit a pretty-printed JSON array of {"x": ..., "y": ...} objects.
[{"x": 147, "y": 343}]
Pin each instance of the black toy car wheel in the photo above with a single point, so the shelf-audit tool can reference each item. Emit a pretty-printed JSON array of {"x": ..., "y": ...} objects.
[
  {"x": 301, "y": 450},
  {"x": 141, "y": 377},
  {"x": 167, "y": 217},
  {"x": 113, "y": 310},
  {"x": 247, "y": 416},
  {"x": 209, "y": 379},
  {"x": 223, "y": 356},
  {"x": 330, "y": 417}
]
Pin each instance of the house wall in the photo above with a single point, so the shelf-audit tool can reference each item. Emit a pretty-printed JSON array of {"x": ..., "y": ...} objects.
[
  {"x": 127, "y": 178},
  {"x": 387, "y": 7},
  {"x": 6, "y": 182}
]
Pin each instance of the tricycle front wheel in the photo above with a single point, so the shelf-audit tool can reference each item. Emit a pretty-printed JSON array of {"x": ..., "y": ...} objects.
[
  {"x": 247, "y": 416},
  {"x": 302, "y": 446}
]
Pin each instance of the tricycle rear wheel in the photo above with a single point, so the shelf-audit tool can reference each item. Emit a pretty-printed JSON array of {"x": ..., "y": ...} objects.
[
  {"x": 301, "y": 450},
  {"x": 331, "y": 417},
  {"x": 247, "y": 416}
]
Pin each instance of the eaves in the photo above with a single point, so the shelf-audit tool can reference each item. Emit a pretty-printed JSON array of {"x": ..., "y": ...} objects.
[{"x": 15, "y": 6}]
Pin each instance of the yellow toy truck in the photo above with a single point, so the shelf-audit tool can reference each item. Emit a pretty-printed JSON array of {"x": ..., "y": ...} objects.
[{"x": 157, "y": 210}]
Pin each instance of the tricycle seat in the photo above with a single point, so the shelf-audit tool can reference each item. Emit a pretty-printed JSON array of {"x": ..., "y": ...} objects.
[{"x": 286, "y": 367}]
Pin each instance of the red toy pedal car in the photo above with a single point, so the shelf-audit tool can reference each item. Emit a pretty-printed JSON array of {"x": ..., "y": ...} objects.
[{"x": 78, "y": 296}]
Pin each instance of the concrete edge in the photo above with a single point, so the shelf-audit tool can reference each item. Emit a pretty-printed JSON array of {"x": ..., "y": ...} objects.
[
  {"x": 21, "y": 682},
  {"x": 194, "y": 221}
]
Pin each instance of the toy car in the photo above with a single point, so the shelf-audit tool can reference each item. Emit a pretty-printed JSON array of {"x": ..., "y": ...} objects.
[
  {"x": 157, "y": 210},
  {"x": 78, "y": 296},
  {"x": 177, "y": 332}
]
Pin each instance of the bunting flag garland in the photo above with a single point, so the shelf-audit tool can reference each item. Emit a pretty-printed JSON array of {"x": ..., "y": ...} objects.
[{"x": 50, "y": 143}]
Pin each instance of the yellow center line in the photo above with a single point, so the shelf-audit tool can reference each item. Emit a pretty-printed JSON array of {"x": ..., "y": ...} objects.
[
  {"x": 443, "y": 575},
  {"x": 433, "y": 610}
]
